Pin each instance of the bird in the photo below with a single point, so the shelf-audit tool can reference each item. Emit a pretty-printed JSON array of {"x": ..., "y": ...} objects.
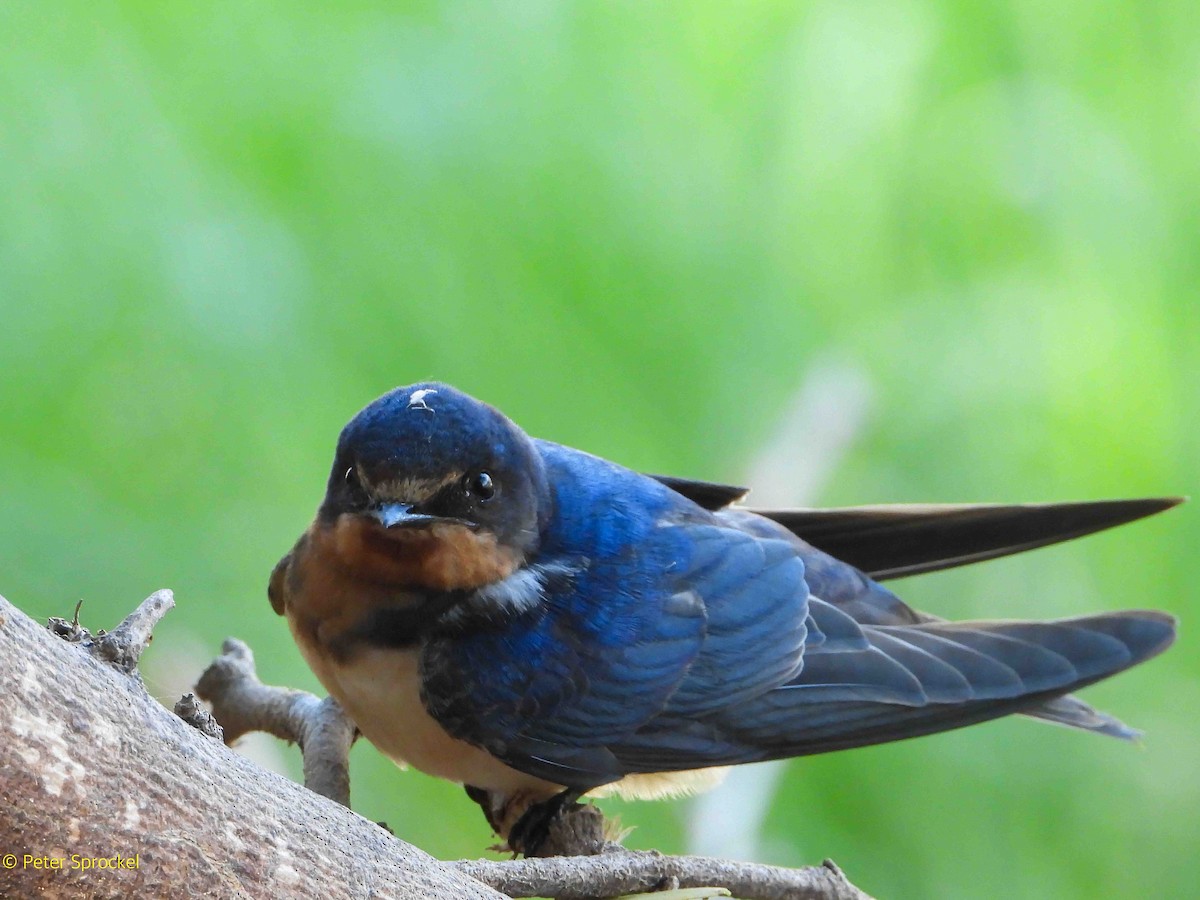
[{"x": 541, "y": 625}]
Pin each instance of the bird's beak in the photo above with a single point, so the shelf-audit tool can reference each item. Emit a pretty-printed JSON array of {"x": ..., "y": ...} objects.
[
  {"x": 398, "y": 515},
  {"x": 401, "y": 515}
]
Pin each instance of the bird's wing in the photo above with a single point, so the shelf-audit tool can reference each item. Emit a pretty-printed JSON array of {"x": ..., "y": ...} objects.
[
  {"x": 894, "y": 541},
  {"x": 689, "y": 619},
  {"x": 895, "y": 682},
  {"x": 911, "y": 680}
]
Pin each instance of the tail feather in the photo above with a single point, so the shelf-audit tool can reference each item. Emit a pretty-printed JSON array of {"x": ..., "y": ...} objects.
[
  {"x": 1074, "y": 713},
  {"x": 908, "y": 539}
]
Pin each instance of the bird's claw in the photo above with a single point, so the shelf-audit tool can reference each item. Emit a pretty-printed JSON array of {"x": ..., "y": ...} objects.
[{"x": 530, "y": 833}]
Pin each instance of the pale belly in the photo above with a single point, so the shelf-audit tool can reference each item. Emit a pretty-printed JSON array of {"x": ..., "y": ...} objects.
[{"x": 380, "y": 690}]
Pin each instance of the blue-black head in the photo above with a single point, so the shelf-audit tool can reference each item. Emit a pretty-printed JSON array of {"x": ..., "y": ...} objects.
[{"x": 429, "y": 459}]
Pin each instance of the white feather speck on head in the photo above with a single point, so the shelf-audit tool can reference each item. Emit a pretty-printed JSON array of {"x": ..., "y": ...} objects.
[{"x": 417, "y": 399}]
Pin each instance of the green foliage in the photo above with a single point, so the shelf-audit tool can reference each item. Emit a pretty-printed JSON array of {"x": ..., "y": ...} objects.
[{"x": 632, "y": 226}]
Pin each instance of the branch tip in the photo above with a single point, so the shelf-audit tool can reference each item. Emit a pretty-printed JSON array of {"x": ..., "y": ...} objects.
[
  {"x": 124, "y": 645},
  {"x": 237, "y": 649}
]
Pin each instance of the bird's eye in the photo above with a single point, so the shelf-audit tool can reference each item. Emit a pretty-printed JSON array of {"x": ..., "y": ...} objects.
[
  {"x": 481, "y": 485},
  {"x": 351, "y": 477}
]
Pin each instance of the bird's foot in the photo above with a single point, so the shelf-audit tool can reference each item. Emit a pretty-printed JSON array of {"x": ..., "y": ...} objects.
[{"x": 539, "y": 831}]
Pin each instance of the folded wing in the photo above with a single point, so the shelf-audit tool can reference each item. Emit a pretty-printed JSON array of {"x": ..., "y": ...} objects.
[{"x": 897, "y": 682}]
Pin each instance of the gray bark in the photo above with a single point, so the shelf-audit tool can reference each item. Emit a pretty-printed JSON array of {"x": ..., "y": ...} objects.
[{"x": 91, "y": 765}]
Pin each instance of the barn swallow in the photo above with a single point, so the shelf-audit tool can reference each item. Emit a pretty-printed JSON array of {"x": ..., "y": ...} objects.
[{"x": 539, "y": 624}]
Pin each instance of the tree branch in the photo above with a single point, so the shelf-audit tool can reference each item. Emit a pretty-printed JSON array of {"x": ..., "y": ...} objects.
[
  {"x": 241, "y": 704},
  {"x": 92, "y": 766},
  {"x": 627, "y": 871}
]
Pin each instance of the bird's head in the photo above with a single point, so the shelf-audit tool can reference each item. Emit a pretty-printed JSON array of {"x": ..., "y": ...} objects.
[{"x": 434, "y": 489}]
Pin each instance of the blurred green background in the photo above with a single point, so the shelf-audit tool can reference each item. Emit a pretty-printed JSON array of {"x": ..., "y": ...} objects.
[{"x": 635, "y": 227}]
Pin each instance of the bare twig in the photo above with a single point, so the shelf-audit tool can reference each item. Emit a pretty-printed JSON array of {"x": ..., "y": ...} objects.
[
  {"x": 241, "y": 704},
  {"x": 123, "y": 646},
  {"x": 627, "y": 871},
  {"x": 70, "y": 631}
]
